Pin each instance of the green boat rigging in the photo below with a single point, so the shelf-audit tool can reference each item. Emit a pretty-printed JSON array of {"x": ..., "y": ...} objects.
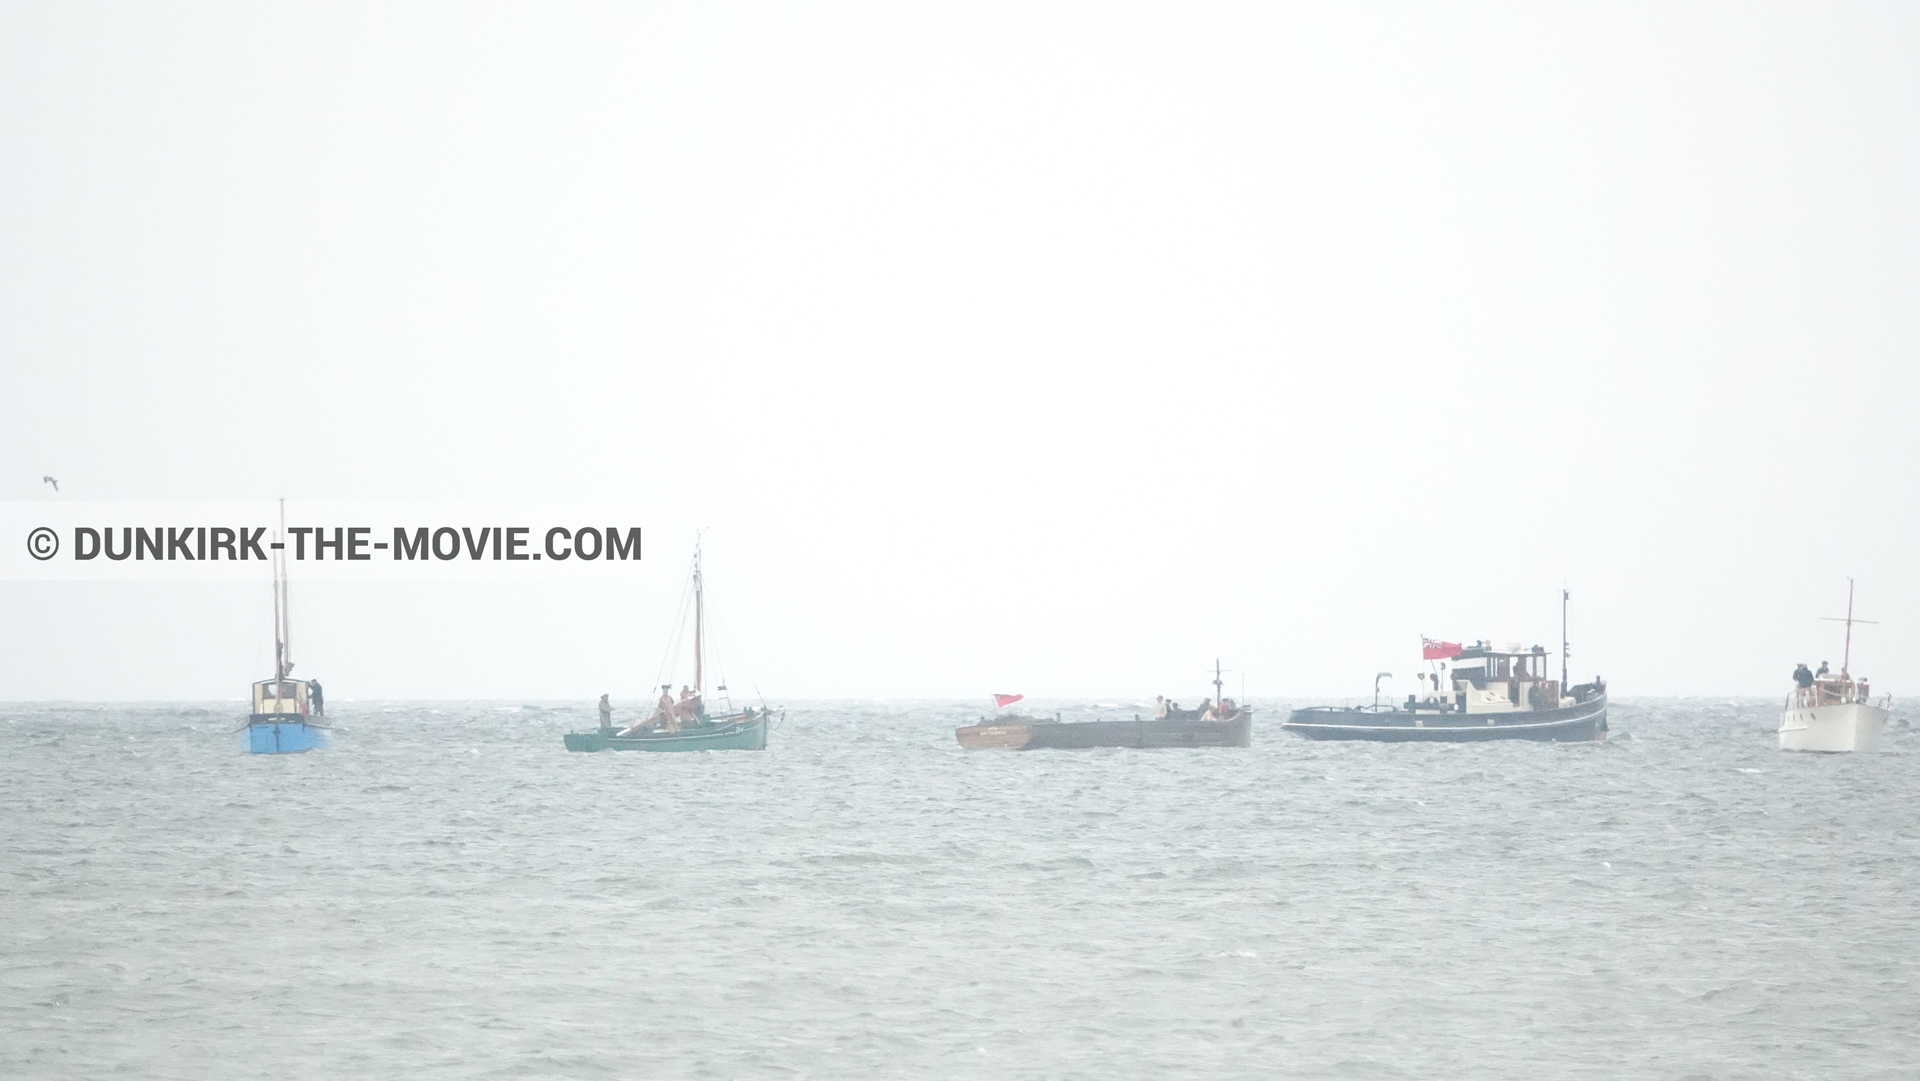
[{"x": 686, "y": 724}]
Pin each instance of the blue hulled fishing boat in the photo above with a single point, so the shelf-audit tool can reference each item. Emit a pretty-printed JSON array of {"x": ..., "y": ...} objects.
[
  {"x": 281, "y": 722},
  {"x": 285, "y": 717}
]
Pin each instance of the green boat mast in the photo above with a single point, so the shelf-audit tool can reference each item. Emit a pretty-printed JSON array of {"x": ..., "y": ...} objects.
[{"x": 699, "y": 630}]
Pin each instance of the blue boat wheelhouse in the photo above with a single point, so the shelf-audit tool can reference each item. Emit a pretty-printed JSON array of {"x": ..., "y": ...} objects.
[{"x": 281, "y": 721}]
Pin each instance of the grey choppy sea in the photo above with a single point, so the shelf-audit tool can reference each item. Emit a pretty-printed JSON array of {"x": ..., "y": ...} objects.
[{"x": 449, "y": 894}]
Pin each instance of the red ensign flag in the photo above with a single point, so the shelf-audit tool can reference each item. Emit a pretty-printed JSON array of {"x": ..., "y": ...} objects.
[
  {"x": 1431, "y": 650},
  {"x": 1002, "y": 701}
]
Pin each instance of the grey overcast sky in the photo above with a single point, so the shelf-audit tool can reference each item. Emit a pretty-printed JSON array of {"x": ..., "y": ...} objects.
[{"x": 1000, "y": 347}]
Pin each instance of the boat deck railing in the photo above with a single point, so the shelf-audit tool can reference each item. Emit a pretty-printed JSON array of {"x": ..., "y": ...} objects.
[{"x": 1836, "y": 693}]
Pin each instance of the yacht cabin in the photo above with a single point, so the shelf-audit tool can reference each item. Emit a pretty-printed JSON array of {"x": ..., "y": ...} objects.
[{"x": 1833, "y": 689}]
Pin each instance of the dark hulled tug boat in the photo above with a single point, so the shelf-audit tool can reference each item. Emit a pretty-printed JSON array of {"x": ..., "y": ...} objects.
[{"x": 1487, "y": 694}]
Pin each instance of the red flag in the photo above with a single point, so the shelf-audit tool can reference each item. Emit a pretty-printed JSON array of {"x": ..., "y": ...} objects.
[
  {"x": 1431, "y": 650},
  {"x": 1002, "y": 701}
]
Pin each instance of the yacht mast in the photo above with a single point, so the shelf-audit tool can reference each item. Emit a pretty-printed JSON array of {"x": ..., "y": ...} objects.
[
  {"x": 1846, "y": 656},
  {"x": 1846, "y": 651}
]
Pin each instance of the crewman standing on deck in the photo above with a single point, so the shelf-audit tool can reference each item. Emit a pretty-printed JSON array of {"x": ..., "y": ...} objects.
[{"x": 606, "y": 712}]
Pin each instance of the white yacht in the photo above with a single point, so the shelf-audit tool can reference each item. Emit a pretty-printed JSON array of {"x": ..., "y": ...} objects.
[{"x": 1830, "y": 711}]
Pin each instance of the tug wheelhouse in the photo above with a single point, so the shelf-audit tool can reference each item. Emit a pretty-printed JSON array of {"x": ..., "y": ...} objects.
[{"x": 1487, "y": 680}]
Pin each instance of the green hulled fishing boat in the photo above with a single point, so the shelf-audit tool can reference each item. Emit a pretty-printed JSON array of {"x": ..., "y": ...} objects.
[
  {"x": 748, "y": 732},
  {"x": 685, "y": 724}
]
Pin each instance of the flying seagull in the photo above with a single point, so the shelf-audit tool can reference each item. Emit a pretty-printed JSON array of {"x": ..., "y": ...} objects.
[{"x": 55, "y": 483}]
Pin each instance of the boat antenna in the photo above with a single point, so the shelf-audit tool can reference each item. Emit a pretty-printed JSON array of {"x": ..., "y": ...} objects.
[
  {"x": 1216, "y": 683},
  {"x": 1846, "y": 654},
  {"x": 1564, "y": 649}
]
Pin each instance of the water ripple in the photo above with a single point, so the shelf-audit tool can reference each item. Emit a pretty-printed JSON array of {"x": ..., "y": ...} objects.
[{"x": 450, "y": 894}]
